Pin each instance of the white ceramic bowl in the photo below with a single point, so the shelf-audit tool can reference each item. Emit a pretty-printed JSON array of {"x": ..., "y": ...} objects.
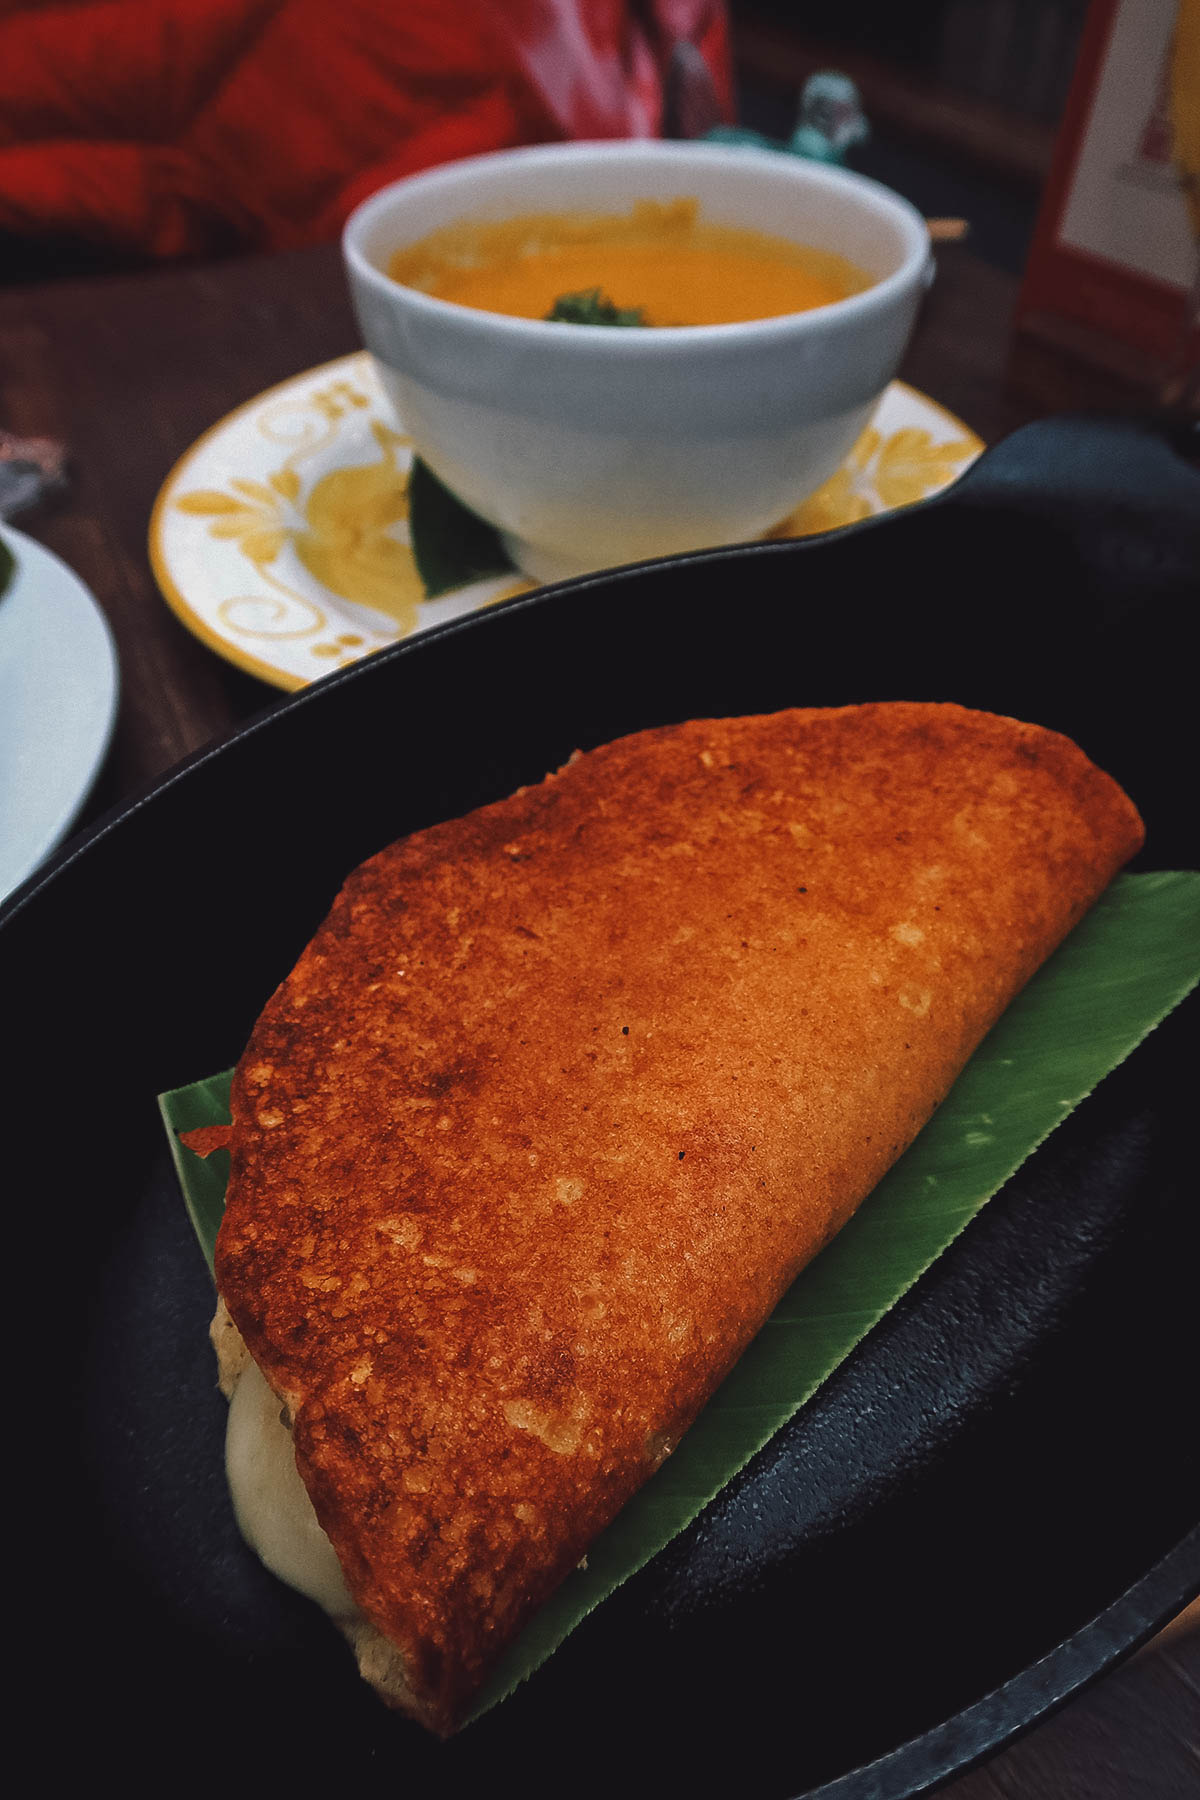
[{"x": 589, "y": 446}]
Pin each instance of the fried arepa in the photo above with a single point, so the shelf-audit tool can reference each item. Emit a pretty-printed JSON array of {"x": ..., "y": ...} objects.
[{"x": 563, "y": 1094}]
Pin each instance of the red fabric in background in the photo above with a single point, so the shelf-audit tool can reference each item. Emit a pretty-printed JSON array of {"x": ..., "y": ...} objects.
[{"x": 166, "y": 128}]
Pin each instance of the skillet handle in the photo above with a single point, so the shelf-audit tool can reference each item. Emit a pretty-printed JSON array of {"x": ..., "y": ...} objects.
[
  {"x": 1181, "y": 428},
  {"x": 1073, "y": 462},
  {"x": 1117, "y": 499}
]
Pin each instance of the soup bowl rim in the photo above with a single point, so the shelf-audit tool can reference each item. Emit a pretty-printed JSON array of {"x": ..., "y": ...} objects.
[{"x": 669, "y": 340}]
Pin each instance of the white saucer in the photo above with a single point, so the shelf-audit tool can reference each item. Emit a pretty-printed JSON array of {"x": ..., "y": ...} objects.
[
  {"x": 59, "y": 686},
  {"x": 280, "y": 538}
]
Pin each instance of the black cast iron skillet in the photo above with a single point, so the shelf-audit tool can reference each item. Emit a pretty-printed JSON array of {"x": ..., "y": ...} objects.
[{"x": 998, "y": 1493}]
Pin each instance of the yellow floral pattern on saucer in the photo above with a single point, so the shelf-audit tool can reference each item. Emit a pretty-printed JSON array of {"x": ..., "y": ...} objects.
[
  {"x": 281, "y": 537},
  {"x": 884, "y": 470},
  {"x": 340, "y": 530}
]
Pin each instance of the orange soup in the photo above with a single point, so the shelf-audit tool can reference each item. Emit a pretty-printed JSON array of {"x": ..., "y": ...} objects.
[{"x": 661, "y": 261}]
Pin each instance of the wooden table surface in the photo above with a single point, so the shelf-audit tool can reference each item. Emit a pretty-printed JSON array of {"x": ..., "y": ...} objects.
[{"x": 128, "y": 370}]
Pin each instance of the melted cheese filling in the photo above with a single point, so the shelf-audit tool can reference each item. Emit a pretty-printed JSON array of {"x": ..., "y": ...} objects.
[{"x": 271, "y": 1503}]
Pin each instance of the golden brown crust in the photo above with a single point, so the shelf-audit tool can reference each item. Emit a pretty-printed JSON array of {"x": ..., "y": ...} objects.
[{"x": 564, "y": 1093}]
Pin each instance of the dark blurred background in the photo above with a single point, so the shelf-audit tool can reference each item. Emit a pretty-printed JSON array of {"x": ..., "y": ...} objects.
[
  {"x": 135, "y": 131},
  {"x": 963, "y": 96}
]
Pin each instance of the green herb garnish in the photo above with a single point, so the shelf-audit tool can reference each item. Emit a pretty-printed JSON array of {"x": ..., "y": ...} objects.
[
  {"x": 8, "y": 563},
  {"x": 592, "y": 307}
]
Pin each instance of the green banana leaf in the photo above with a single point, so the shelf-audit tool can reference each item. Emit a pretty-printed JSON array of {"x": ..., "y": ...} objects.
[
  {"x": 1134, "y": 958},
  {"x": 202, "y": 1178},
  {"x": 451, "y": 545}
]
